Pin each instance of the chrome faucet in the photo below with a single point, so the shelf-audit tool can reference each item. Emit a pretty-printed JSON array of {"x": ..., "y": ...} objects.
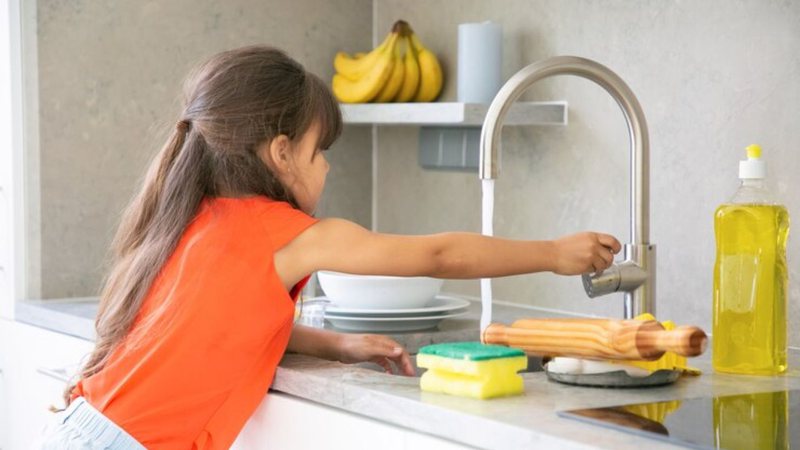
[{"x": 636, "y": 274}]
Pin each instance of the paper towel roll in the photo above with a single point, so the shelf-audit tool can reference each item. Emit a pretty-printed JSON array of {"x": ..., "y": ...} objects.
[{"x": 480, "y": 50}]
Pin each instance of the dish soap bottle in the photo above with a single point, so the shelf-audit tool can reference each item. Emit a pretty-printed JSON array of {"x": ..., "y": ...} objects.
[{"x": 750, "y": 277}]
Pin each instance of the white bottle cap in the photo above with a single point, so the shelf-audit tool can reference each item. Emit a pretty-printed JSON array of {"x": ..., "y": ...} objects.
[{"x": 753, "y": 167}]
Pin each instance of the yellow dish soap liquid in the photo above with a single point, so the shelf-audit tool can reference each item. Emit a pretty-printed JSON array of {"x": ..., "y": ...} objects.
[{"x": 750, "y": 277}]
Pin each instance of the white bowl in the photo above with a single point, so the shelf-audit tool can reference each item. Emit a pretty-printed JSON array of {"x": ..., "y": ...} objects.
[{"x": 378, "y": 291}]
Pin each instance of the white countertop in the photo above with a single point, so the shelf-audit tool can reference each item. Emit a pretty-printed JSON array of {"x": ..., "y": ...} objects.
[{"x": 504, "y": 423}]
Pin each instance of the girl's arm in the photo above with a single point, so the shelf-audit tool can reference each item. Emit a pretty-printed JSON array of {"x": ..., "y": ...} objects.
[
  {"x": 350, "y": 348},
  {"x": 314, "y": 342},
  {"x": 343, "y": 246}
]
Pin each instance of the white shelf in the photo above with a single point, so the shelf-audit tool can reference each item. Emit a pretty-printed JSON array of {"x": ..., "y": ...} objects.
[{"x": 452, "y": 114}]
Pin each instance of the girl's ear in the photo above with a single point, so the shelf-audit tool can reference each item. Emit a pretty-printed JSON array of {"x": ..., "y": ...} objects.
[{"x": 277, "y": 154}]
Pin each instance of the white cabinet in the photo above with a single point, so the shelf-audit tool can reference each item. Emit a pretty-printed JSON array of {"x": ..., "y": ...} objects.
[
  {"x": 10, "y": 156},
  {"x": 3, "y": 400},
  {"x": 35, "y": 365},
  {"x": 287, "y": 422}
]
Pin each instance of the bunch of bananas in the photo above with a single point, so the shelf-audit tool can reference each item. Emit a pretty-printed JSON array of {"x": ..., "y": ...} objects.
[{"x": 401, "y": 69}]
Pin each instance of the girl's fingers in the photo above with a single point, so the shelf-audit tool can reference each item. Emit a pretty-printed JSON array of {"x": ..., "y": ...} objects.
[
  {"x": 388, "y": 348},
  {"x": 383, "y": 362},
  {"x": 394, "y": 352},
  {"x": 599, "y": 264},
  {"x": 403, "y": 362},
  {"x": 607, "y": 256},
  {"x": 609, "y": 241}
]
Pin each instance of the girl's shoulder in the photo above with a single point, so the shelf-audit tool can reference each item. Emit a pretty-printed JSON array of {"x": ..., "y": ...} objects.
[{"x": 278, "y": 219}]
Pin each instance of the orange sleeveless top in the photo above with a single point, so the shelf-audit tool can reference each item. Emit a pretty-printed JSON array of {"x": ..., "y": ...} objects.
[{"x": 203, "y": 350}]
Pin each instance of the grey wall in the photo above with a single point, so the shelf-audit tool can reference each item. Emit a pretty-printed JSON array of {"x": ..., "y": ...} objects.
[
  {"x": 712, "y": 77},
  {"x": 109, "y": 77}
]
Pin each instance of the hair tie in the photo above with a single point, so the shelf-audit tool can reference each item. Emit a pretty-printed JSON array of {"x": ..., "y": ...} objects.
[{"x": 183, "y": 126}]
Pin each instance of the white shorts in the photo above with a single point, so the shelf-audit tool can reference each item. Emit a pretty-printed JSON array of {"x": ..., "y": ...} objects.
[{"x": 82, "y": 427}]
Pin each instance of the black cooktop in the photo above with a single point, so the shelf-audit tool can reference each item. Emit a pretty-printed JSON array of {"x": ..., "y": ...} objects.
[{"x": 767, "y": 420}]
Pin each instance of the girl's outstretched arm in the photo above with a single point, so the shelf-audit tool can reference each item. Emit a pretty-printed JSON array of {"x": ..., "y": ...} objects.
[{"x": 340, "y": 245}]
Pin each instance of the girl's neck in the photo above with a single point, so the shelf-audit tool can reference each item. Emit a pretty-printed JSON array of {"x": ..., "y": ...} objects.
[{"x": 227, "y": 193}]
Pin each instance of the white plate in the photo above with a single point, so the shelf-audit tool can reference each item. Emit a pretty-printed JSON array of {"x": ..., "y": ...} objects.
[
  {"x": 440, "y": 304},
  {"x": 388, "y": 324}
]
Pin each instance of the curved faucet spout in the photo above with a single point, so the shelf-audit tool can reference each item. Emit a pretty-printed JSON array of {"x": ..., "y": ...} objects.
[{"x": 640, "y": 296}]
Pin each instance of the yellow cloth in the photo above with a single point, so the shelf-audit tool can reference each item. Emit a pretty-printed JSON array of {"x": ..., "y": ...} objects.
[{"x": 670, "y": 360}]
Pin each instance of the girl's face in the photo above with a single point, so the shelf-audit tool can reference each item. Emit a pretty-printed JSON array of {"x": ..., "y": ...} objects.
[{"x": 307, "y": 170}]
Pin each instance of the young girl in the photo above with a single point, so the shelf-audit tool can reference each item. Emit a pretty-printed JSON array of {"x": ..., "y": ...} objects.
[{"x": 211, "y": 255}]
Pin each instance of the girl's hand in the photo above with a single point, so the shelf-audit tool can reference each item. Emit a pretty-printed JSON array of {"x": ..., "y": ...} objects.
[
  {"x": 584, "y": 253},
  {"x": 378, "y": 349}
]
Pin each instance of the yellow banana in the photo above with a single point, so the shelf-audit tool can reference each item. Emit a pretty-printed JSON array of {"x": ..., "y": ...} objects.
[
  {"x": 430, "y": 83},
  {"x": 355, "y": 68},
  {"x": 395, "y": 81},
  {"x": 411, "y": 76},
  {"x": 367, "y": 87}
]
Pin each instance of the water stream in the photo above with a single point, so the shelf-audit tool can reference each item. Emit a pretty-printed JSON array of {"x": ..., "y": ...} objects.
[{"x": 487, "y": 230}]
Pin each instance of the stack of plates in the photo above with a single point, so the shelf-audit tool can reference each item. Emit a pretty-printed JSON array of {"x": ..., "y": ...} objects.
[{"x": 391, "y": 320}]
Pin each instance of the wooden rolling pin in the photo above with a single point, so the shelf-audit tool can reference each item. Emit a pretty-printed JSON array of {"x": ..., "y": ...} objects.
[{"x": 597, "y": 338}]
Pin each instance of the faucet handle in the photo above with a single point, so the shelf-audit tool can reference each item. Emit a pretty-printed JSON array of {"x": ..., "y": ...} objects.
[{"x": 625, "y": 276}]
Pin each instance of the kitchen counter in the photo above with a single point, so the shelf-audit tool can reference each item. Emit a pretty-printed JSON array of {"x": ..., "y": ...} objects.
[
  {"x": 513, "y": 422},
  {"x": 75, "y": 317},
  {"x": 72, "y": 316}
]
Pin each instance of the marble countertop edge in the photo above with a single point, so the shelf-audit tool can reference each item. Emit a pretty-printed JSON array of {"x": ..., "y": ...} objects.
[{"x": 361, "y": 391}]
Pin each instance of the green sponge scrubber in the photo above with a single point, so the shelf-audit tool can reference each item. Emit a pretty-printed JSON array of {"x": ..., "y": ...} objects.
[{"x": 472, "y": 369}]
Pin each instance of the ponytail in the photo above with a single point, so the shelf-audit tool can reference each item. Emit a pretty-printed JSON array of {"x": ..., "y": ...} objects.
[
  {"x": 132, "y": 228},
  {"x": 151, "y": 227}
]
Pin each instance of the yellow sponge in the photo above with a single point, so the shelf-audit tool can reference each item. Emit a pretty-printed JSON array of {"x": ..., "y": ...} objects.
[{"x": 472, "y": 369}]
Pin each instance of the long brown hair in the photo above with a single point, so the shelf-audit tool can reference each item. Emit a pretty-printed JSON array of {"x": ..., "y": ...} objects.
[{"x": 233, "y": 103}]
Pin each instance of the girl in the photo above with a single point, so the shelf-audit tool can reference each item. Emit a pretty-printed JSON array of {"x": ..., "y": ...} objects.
[{"x": 210, "y": 256}]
